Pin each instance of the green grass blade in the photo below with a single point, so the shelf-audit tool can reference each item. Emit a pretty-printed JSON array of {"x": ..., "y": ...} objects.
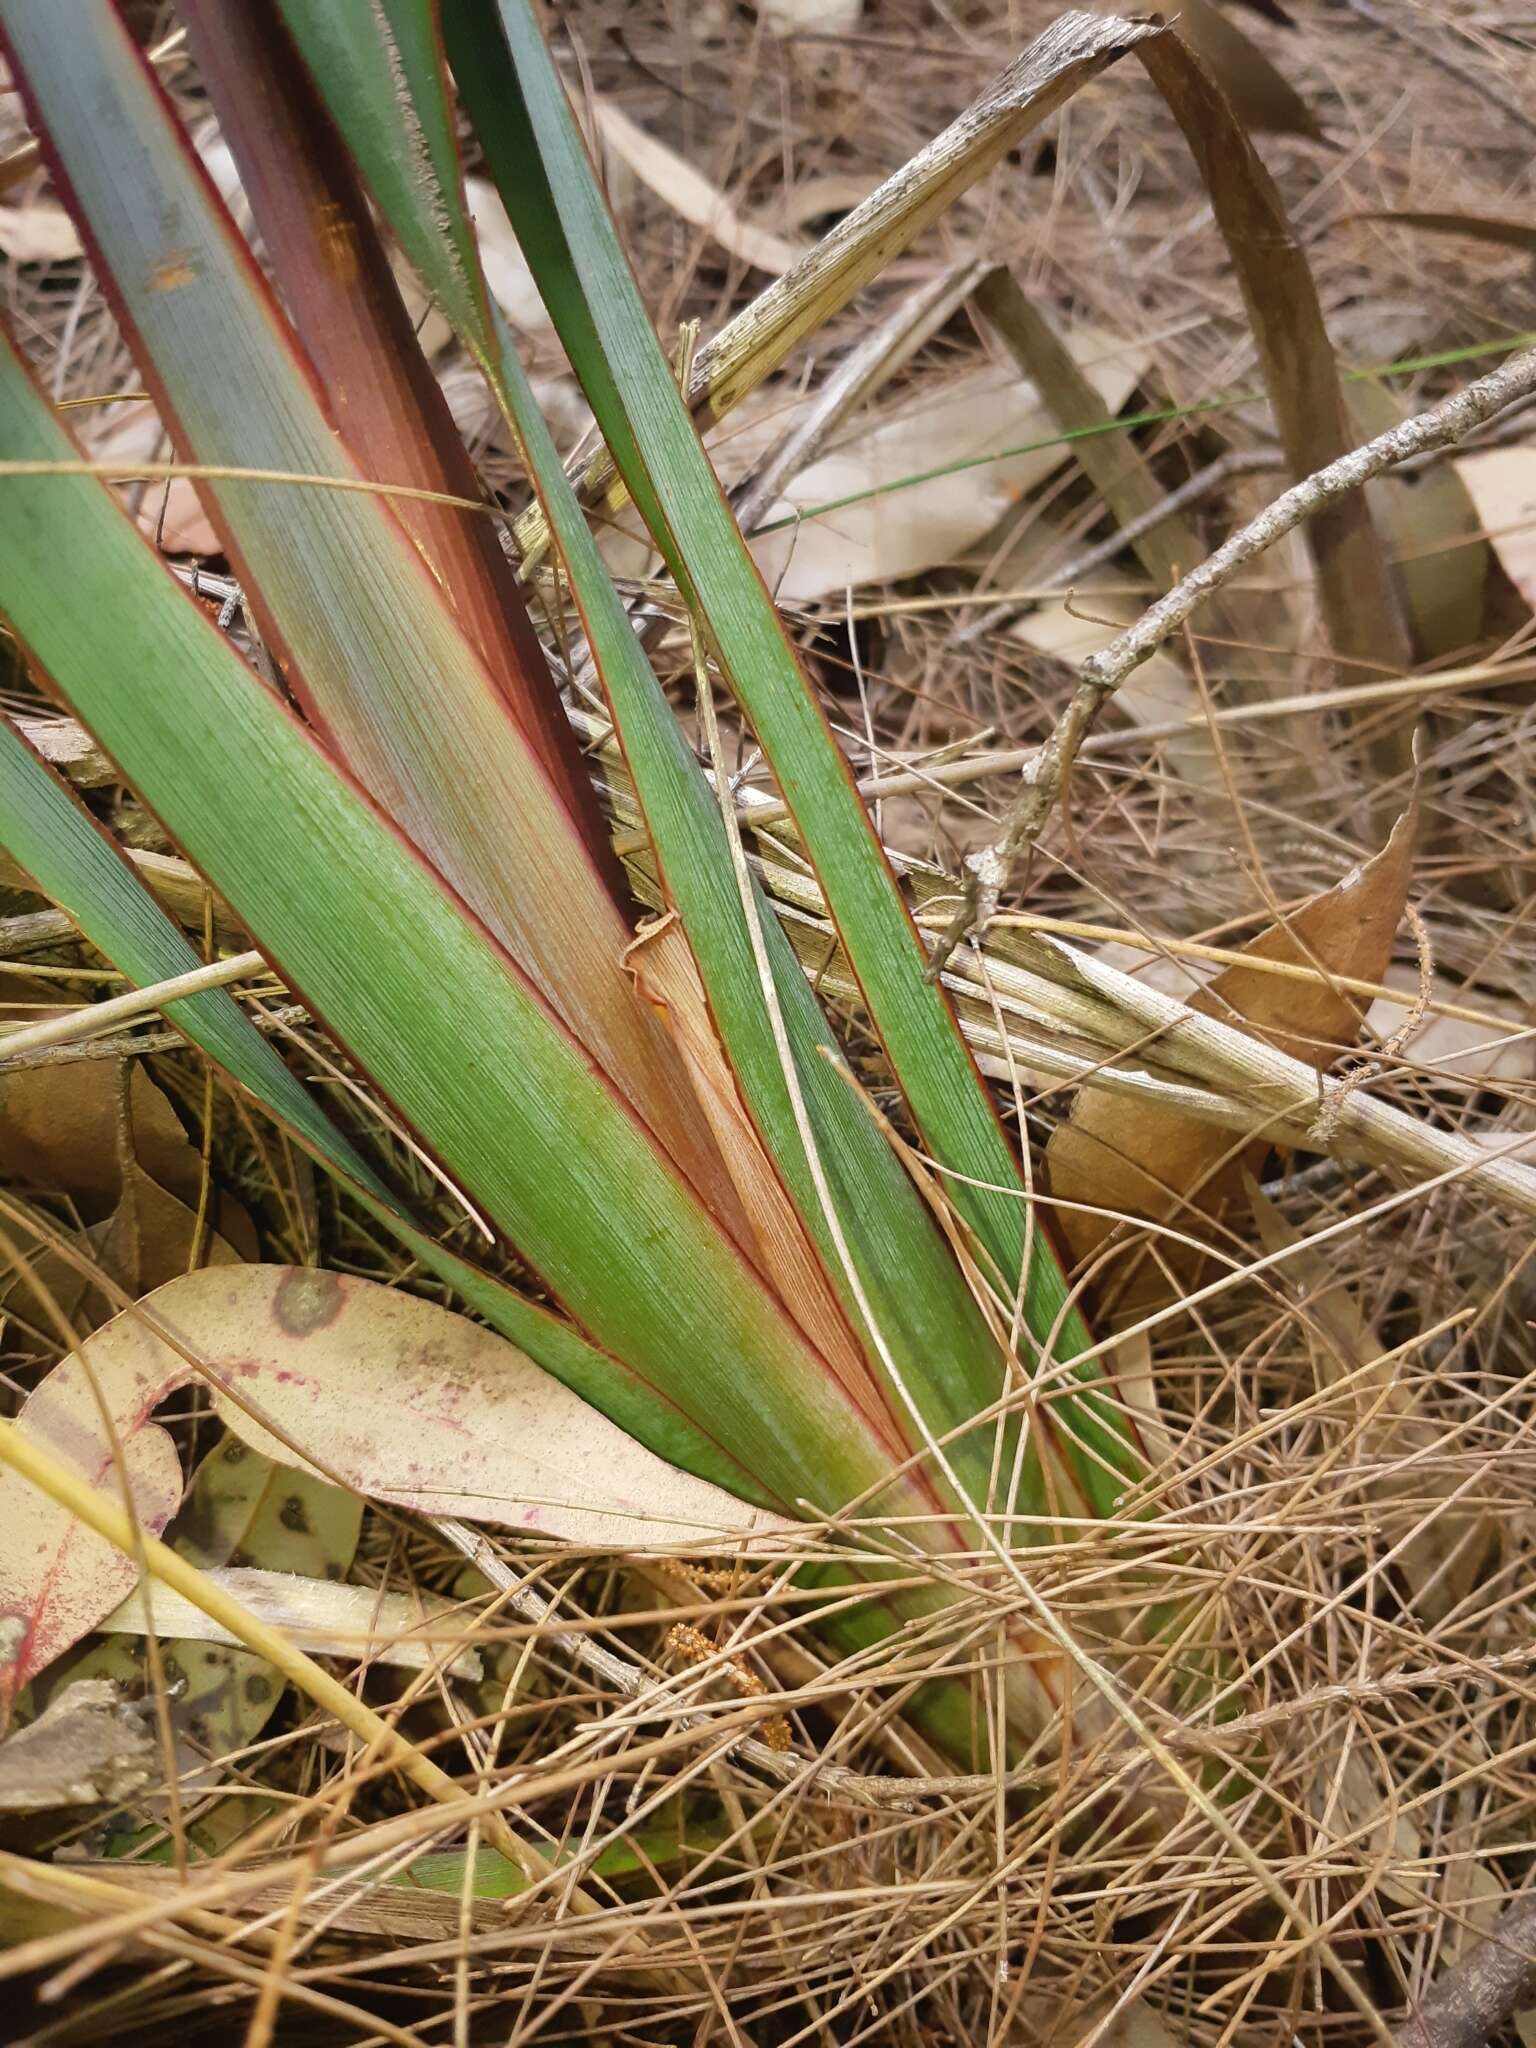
[
  {"x": 921, "y": 1300},
  {"x": 365, "y": 636},
  {"x": 448, "y": 1027},
  {"x": 75, "y": 862},
  {"x": 380, "y": 71},
  {"x": 536, "y": 154},
  {"x": 335, "y": 279}
]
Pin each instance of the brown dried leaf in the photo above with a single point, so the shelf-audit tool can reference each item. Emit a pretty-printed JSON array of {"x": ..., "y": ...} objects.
[
  {"x": 1142, "y": 1161},
  {"x": 1359, "y": 601},
  {"x": 1262, "y": 98},
  {"x": 59, "y": 1134}
]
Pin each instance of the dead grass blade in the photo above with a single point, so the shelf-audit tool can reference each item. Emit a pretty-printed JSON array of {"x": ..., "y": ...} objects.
[{"x": 1360, "y": 603}]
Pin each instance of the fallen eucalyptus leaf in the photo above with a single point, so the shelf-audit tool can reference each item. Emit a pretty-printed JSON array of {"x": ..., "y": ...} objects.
[
  {"x": 244, "y": 1509},
  {"x": 822, "y": 17},
  {"x": 392, "y": 1396},
  {"x": 328, "y": 1620},
  {"x": 697, "y": 198},
  {"x": 1502, "y": 484},
  {"x": 914, "y": 508},
  {"x": 40, "y": 233}
]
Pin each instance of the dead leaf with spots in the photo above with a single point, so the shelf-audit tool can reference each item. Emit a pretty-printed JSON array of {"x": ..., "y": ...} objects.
[
  {"x": 391, "y": 1396},
  {"x": 1137, "y": 1160},
  {"x": 241, "y": 1510}
]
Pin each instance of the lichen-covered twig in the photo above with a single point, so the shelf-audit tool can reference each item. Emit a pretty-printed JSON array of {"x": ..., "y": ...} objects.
[
  {"x": 989, "y": 871},
  {"x": 1478, "y": 1998}
]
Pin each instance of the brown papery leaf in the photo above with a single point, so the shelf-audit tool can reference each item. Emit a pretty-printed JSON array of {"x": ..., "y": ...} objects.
[
  {"x": 59, "y": 1134},
  {"x": 392, "y": 1396},
  {"x": 96, "y": 1130},
  {"x": 1262, "y": 98},
  {"x": 1359, "y": 600},
  {"x": 1142, "y": 1161}
]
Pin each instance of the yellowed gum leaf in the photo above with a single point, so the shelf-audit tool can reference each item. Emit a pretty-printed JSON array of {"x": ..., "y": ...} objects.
[
  {"x": 324, "y": 1618},
  {"x": 172, "y": 515},
  {"x": 697, "y": 198},
  {"x": 392, "y": 1396},
  {"x": 244, "y": 1509}
]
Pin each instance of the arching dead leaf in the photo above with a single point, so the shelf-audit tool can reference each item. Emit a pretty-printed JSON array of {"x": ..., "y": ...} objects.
[{"x": 1142, "y": 1161}]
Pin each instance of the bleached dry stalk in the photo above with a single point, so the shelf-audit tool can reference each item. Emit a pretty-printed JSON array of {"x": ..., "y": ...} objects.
[{"x": 990, "y": 871}]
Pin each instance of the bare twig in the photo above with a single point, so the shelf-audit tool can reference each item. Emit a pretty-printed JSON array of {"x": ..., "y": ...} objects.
[
  {"x": 989, "y": 871},
  {"x": 1236, "y": 462},
  {"x": 1478, "y": 1998}
]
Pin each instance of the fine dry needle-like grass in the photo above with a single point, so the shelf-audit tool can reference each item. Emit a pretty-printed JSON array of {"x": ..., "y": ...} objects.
[{"x": 1338, "y": 1394}]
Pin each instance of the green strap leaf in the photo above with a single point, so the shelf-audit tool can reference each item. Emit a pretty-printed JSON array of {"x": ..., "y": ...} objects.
[
  {"x": 451, "y": 1031},
  {"x": 53, "y": 836},
  {"x": 922, "y": 1303},
  {"x": 535, "y": 152},
  {"x": 360, "y": 628}
]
